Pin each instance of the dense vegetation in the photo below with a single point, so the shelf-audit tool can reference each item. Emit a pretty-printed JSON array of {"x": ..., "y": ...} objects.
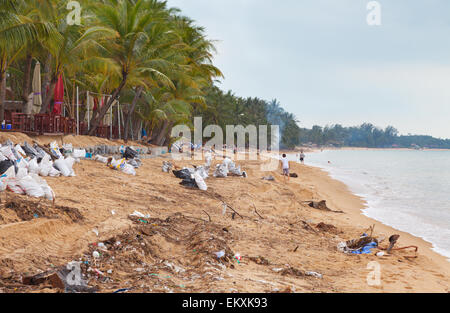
[
  {"x": 367, "y": 135},
  {"x": 158, "y": 62}
]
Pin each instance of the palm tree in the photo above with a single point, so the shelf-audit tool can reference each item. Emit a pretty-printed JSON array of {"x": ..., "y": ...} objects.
[
  {"x": 129, "y": 21},
  {"x": 16, "y": 31}
]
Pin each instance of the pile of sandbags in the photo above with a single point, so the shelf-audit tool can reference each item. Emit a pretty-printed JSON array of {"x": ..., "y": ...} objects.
[{"x": 228, "y": 167}]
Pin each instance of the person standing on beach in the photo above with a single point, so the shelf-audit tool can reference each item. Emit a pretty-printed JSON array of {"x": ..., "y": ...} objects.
[
  {"x": 302, "y": 157},
  {"x": 285, "y": 165}
]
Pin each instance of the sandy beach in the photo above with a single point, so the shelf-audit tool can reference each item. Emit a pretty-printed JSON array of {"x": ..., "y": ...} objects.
[{"x": 278, "y": 236}]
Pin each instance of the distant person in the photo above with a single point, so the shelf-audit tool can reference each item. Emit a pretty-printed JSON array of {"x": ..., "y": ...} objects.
[
  {"x": 144, "y": 136},
  {"x": 302, "y": 157},
  {"x": 285, "y": 165}
]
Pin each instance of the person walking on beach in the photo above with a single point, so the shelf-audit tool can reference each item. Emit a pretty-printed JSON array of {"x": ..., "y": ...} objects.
[
  {"x": 302, "y": 157},
  {"x": 285, "y": 165}
]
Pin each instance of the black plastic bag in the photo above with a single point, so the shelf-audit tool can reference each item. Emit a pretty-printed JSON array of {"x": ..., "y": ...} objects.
[
  {"x": 190, "y": 182},
  {"x": 30, "y": 151},
  {"x": 130, "y": 153},
  {"x": 5, "y": 165},
  {"x": 183, "y": 174}
]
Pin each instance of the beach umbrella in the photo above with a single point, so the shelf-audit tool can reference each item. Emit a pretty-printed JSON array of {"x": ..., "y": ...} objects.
[
  {"x": 36, "y": 84},
  {"x": 58, "y": 96}
]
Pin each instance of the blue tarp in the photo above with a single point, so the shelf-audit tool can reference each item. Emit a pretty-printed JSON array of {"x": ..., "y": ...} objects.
[{"x": 367, "y": 249}]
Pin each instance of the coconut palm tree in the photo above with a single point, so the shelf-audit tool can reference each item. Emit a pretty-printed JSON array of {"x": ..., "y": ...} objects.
[
  {"x": 16, "y": 32},
  {"x": 129, "y": 21}
]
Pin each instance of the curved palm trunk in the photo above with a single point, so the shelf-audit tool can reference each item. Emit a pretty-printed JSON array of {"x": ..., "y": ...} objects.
[
  {"x": 96, "y": 120},
  {"x": 162, "y": 135},
  {"x": 131, "y": 111}
]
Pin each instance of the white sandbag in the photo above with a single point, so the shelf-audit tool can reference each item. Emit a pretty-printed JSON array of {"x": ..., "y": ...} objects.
[
  {"x": 70, "y": 161},
  {"x": 21, "y": 173},
  {"x": 31, "y": 187},
  {"x": 45, "y": 166},
  {"x": 68, "y": 148},
  {"x": 62, "y": 166},
  {"x": 79, "y": 154},
  {"x": 128, "y": 169},
  {"x": 208, "y": 159},
  {"x": 54, "y": 172},
  {"x": 101, "y": 159},
  {"x": 200, "y": 181},
  {"x": 54, "y": 149},
  {"x": 33, "y": 166},
  {"x": 202, "y": 171},
  {"x": 21, "y": 162},
  {"x": 2, "y": 185},
  {"x": 20, "y": 151},
  {"x": 221, "y": 171},
  {"x": 8, "y": 153},
  {"x": 12, "y": 184},
  {"x": 49, "y": 193},
  {"x": 167, "y": 167}
]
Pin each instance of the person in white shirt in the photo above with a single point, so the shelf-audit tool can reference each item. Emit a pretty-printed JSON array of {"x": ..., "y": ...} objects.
[{"x": 285, "y": 166}]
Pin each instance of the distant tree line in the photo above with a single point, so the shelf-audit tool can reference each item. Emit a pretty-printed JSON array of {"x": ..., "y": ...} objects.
[
  {"x": 224, "y": 109},
  {"x": 368, "y": 135}
]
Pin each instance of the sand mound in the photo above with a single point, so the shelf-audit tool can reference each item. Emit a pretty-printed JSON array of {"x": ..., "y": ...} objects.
[{"x": 76, "y": 141}]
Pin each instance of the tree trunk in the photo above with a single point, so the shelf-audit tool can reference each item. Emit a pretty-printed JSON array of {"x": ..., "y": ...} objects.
[
  {"x": 2, "y": 95},
  {"x": 27, "y": 85},
  {"x": 162, "y": 134},
  {"x": 49, "y": 96},
  {"x": 106, "y": 106},
  {"x": 130, "y": 112},
  {"x": 47, "y": 77}
]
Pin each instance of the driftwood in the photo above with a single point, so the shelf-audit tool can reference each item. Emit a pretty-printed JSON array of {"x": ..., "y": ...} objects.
[
  {"x": 392, "y": 241},
  {"x": 208, "y": 215},
  {"x": 320, "y": 205},
  {"x": 257, "y": 212},
  {"x": 235, "y": 212}
]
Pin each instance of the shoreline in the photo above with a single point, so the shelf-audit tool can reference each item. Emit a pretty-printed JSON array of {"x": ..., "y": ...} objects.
[{"x": 339, "y": 196}]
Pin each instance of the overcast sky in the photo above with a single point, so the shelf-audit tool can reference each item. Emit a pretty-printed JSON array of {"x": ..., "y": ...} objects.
[{"x": 326, "y": 65}]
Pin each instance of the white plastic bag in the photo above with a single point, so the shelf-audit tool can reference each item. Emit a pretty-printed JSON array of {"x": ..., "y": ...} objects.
[
  {"x": 20, "y": 151},
  {"x": 31, "y": 187},
  {"x": 21, "y": 162},
  {"x": 200, "y": 181},
  {"x": 33, "y": 166},
  {"x": 54, "y": 149},
  {"x": 62, "y": 166},
  {"x": 101, "y": 159},
  {"x": 21, "y": 173},
  {"x": 7, "y": 152},
  {"x": 128, "y": 169},
  {"x": 54, "y": 172},
  {"x": 45, "y": 166},
  {"x": 12, "y": 184},
  {"x": 79, "y": 154},
  {"x": 48, "y": 191}
]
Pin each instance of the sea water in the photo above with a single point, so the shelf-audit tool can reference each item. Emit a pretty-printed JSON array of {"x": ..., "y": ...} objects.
[{"x": 405, "y": 189}]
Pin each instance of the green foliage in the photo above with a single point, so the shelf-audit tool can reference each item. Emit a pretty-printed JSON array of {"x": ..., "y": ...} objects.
[{"x": 367, "y": 135}]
